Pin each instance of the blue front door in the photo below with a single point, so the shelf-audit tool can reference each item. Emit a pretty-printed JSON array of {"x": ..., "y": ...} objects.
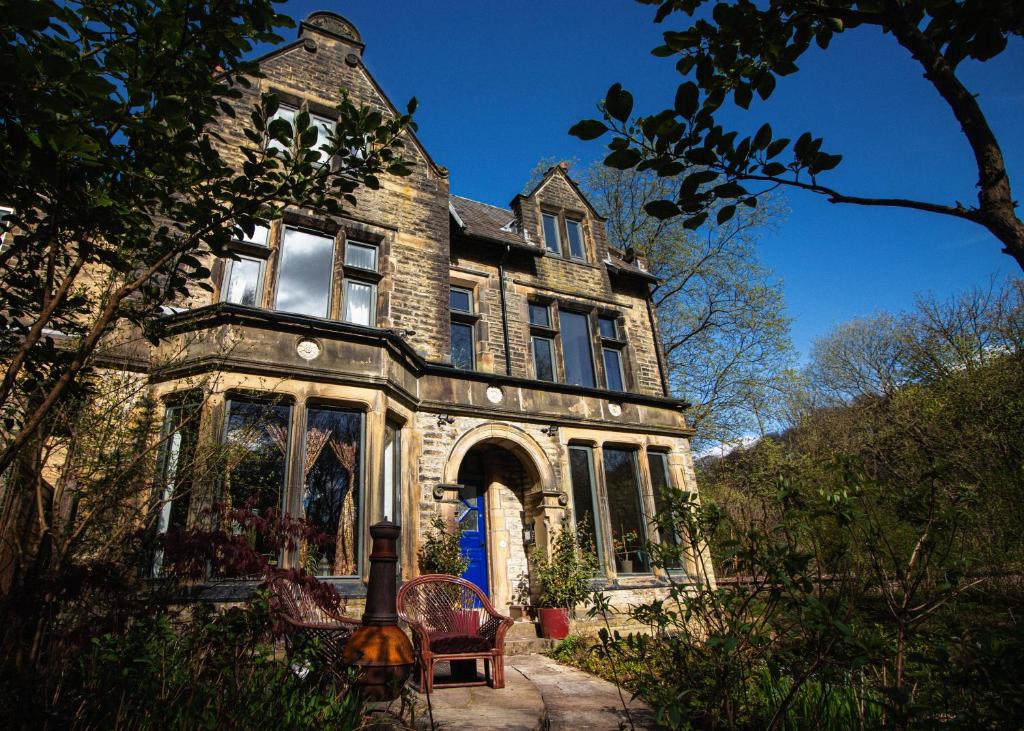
[{"x": 473, "y": 543}]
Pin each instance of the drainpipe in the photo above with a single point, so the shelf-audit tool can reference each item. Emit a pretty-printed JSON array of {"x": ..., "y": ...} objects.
[
  {"x": 657, "y": 346},
  {"x": 504, "y": 309}
]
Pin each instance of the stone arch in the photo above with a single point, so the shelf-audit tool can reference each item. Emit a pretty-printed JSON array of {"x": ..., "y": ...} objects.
[
  {"x": 513, "y": 503},
  {"x": 512, "y": 438}
]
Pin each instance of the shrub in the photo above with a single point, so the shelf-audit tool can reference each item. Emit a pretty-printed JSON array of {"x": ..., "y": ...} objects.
[
  {"x": 441, "y": 552},
  {"x": 563, "y": 579}
]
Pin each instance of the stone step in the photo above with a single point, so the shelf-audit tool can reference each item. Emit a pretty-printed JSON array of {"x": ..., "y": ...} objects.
[
  {"x": 529, "y": 647},
  {"x": 522, "y": 631}
]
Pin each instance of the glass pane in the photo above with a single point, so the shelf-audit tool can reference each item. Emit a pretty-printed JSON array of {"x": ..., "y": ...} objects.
[
  {"x": 551, "y": 234},
  {"x": 260, "y": 235},
  {"x": 579, "y": 361},
  {"x": 613, "y": 369},
  {"x": 543, "y": 362},
  {"x": 625, "y": 510},
  {"x": 462, "y": 346},
  {"x": 575, "y": 239},
  {"x": 257, "y": 449},
  {"x": 363, "y": 256},
  {"x": 460, "y": 300},
  {"x": 608, "y": 328},
  {"x": 330, "y": 502},
  {"x": 288, "y": 115},
  {"x": 176, "y": 459},
  {"x": 391, "y": 494},
  {"x": 540, "y": 315},
  {"x": 359, "y": 301},
  {"x": 304, "y": 284},
  {"x": 243, "y": 282},
  {"x": 581, "y": 472},
  {"x": 658, "y": 464},
  {"x": 324, "y": 128},
  {"x": 469, "y": 519}
]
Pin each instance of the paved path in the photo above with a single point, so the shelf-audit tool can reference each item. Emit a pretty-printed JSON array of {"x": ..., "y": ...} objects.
[
  {"x": 516, "y": 707},
  {"x": 575, "y": 699}
]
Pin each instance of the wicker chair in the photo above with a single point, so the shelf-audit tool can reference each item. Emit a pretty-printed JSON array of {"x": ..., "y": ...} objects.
[
  {"x": 305, "y": 620},
  {"x": 451, "y": 619}
]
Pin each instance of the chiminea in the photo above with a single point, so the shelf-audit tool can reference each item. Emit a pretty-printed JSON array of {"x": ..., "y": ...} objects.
[{"x": 379, "y": 648}]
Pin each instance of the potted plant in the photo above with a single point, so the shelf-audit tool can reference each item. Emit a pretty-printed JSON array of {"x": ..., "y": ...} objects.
[
  {"x": 440, "y": 552},
  {"x": 624, "y": 551},
  {"x": 563, "y": 578}
]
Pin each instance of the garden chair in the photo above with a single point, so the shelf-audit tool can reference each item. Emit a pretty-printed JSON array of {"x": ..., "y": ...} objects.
[
  {"x": 452, "y": 620},
  {"x": 304, "y": 620}
]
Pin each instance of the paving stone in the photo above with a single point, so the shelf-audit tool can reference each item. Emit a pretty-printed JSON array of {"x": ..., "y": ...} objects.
[{"x": 577, "y": 700}]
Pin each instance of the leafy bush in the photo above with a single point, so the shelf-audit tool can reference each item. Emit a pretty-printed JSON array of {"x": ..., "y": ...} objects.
[
  {"x": 563, "y": 579},
  {"x": 441, "y": 552}
]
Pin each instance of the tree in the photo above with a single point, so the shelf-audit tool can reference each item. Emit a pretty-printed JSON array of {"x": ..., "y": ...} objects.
[
  {"x": 742, "y": 48},
  {"x": 721, "y": 314},
  {"x": 121, "y": 187}
]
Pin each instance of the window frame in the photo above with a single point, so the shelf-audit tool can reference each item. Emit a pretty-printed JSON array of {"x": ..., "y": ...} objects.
[
  {"x": 582, "y": 239},
  {"x": 643, "y": 534},
  {"x": 594, "y": 497},
  {"x": 666, "y": 471},
  {"x": 345, "y": 282},
  {"x": 463, "y": 318},
  {"x": 331, "y": 296},
  {"x": 590, "y": 345},
  {"x": 229, "y": 267},
  {"x": 550, "y": 343},
  {"x": 617, "y": 345},
  {"x": 557, "y": 248},
  {"x": 621, "y": 369},
  {"x": 349, "y": 241}
]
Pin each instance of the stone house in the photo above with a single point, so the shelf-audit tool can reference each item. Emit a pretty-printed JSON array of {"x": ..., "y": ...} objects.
[{"x": 428, "y": 354}]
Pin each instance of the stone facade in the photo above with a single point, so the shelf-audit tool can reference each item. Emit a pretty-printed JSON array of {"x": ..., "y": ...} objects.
[{"x": 421, "y": 418}]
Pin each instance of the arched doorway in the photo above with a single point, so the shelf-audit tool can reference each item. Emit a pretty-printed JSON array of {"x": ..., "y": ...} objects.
[{"x": 499, "y": 508}]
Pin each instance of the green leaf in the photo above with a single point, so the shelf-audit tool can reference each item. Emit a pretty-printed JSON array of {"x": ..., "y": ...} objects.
[
  {"x": 701, "y": 156},
  {"x": 763, "y": 137},
  {"x": 623, "y": 159},
  {"x": 743, "y": 96},
  {"x": 777, "y": 146},
  {"x": 588, "y": 129},
  {"x": 662, "y": 209},
  {"x": 725, "y": 213},
  {"x": 618, "y": 102},
  {"x": 687, "y": 97},
  {"x": 695, "y": 221}
]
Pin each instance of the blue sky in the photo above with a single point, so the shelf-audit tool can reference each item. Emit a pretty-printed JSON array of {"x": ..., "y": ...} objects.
[{"x": 500, "y": 83}]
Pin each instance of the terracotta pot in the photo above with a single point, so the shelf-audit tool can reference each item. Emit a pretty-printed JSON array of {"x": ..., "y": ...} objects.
[{"x": 554, "y": 623}]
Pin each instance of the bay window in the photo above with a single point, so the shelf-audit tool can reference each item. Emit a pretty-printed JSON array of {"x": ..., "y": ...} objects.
[
  {"x": 178, "y": 440},
  {"x": 581, "y": 474},
  {"x": 661, "y": 484}
]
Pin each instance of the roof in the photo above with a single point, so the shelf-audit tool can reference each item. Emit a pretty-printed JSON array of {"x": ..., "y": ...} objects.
[{"x": 486, "y": 221}]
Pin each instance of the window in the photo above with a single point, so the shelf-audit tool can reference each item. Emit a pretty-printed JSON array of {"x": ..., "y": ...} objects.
[
  {"x": 551, "y": 238},
  {"x": 626, "y": 511},
  {"x": 540, "y": 315},
  {"x": 543, "y": 358},
  {"x": 323, "y": 125},
  {"x": 391, "y": 495},
  {"x": 542, "y": 342},
  {"x": 575, "y": 232},
  {"x": 260, "y": 235},
  {"x": 581, "y": 472},
  {"x": 463, "y": 346},
  {"x": 611, "y": 353},
  {"x": 360, "y": 303},
  {"x": 331, "y": 489},
  {"x": 576, "y": 349},
  {"x": 177, "y": 452},
  {"x": 242, "y": 279},
  {"x": 304, "y": 280},
  {"x": 360, "y": 289},
  {"x": 256, "y": 439},
  {"x": 361, "y": 256},
  {"x": 661, "y": 483}
]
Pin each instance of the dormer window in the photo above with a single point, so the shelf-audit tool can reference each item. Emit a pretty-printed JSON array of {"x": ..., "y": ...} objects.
[{"x": 564, "y": 236}]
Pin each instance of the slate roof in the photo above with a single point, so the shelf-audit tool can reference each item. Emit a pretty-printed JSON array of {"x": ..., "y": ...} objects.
[{"x": 491, "y": 222}]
